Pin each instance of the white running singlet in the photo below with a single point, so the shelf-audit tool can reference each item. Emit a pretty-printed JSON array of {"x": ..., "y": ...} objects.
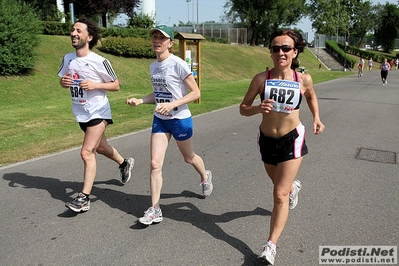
[{"x": 88, "y": 105}]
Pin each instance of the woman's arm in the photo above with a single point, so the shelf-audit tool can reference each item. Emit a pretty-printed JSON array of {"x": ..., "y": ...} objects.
[
  {"x": 150, "y": 98},
  {"x": 313, "y": 103},
  {"x": 256, "y": 86}
]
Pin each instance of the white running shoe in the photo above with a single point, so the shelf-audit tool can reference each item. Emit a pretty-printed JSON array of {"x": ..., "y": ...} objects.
[
  {"x": 151, "y": 216},
  {"x": 207, "y": 186},
  {"x": 294, "y": 195},
  {"x": 269, "y": 253}
]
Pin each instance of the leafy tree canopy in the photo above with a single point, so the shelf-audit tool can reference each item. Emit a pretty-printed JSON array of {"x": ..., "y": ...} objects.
[
  {"x": 46, "y": 10},
  {"x": 106, "y": 9},
  {"x": 388, "y": 28},
  {"x": 261, "y": 17}
]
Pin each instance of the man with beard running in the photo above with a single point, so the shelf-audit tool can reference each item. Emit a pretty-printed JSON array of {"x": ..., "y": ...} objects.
[{"x": 89, "y": 76}]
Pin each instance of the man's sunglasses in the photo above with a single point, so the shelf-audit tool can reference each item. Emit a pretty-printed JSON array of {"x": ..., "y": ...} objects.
[{"x": 284, "y": 48}]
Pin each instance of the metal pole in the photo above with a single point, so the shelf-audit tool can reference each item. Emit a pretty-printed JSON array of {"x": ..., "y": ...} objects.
[
  {"x": 195, "y": 30},
  {"x": 188, "y": 10},
  {"x": 346, "y": 44},
  {"x": 338, "y": 20},
  {"x": 72, "y": 11}
]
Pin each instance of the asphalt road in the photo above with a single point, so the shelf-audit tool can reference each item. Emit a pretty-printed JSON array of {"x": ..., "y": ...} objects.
[{"x": 349, "y": 196}]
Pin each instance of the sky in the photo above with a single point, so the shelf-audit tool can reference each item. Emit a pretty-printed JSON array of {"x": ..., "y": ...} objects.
[{"x": 171, "y": 12}]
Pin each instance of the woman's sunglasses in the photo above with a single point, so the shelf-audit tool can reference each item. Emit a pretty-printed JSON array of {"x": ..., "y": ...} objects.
[{"x": 284, "y": 48}]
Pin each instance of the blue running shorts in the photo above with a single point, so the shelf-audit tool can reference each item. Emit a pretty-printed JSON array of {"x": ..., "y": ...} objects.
[{"x": 181, "y": 129}]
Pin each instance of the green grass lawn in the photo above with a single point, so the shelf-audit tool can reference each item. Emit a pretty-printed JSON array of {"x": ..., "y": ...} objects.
[{"x": 36, "y": 112}]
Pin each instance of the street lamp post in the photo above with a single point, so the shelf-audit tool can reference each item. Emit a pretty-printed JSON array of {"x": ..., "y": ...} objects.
[
  {"x": 338, "y": 19},
  {"x": 346, "y": 44},
  {"x": 195, "y": 29},
  {"x": 188, "y": 10}
]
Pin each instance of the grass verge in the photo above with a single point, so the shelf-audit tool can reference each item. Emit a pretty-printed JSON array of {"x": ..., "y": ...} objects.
[{"x": 36, "y": 112}]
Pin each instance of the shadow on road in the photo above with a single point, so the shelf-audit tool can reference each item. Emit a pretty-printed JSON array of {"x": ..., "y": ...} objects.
[{"x": 136, "y": 204}]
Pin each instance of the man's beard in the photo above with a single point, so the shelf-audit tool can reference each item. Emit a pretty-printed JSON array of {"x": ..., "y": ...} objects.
[{"x": 81, "y": 43}]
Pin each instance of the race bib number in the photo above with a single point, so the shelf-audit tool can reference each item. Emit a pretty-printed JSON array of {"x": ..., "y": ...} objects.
[
  {"x": 286, "y": 94},
  {"x": 78, "y": 95},
  {"x": 164, "y": 97}
]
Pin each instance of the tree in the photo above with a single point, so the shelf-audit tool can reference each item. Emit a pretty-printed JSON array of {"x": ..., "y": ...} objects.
[
  {"x": 261, "y": 17},
  {"x": 141, "y": 21},
  {"x": 19, "y": 35},
  {"x": 362, "y": 19},
  {"x": 46, "y": 10},
  {"x": 282, "y": 14},
  {"x": 247, "y": 13},
  {"x": 387, "y": 29},
  {"x": 330, "y": 17},
  {"x": 106, "y": 9},
  {"x": 355, "y": 18}
]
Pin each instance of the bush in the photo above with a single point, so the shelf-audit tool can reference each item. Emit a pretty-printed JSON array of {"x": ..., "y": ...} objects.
[
  {"x": 218, "y": 40},
  {"x": 128, "y": 47},
  {"x": 339, "y": 52},
  {"x": 125, "y": 32},
  {"x": 57, "y": 28},
  {"x": 365, "y": 54},
  {"x": 19, "y": 29}
]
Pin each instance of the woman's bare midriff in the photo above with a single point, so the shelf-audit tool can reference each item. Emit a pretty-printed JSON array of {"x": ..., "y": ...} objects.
[{"x": 276, "y": 125}]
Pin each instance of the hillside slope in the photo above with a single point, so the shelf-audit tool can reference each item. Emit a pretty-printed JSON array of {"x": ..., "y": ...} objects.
[{"x": 36, "y": 111}]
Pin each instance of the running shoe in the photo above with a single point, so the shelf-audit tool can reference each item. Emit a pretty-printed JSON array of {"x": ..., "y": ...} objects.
[
  {"x": 151, "y": 216},
  {"x": 268, "y": 254},
  {"x": 79, "y": 204},
  {"x": 126, "y": 172},
  {"x": 294, "y": 194},
  {"x": 207, "y": 186}
]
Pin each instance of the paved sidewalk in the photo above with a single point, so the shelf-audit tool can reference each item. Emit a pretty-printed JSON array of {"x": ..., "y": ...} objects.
[{"x": 349, "y": 195}]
